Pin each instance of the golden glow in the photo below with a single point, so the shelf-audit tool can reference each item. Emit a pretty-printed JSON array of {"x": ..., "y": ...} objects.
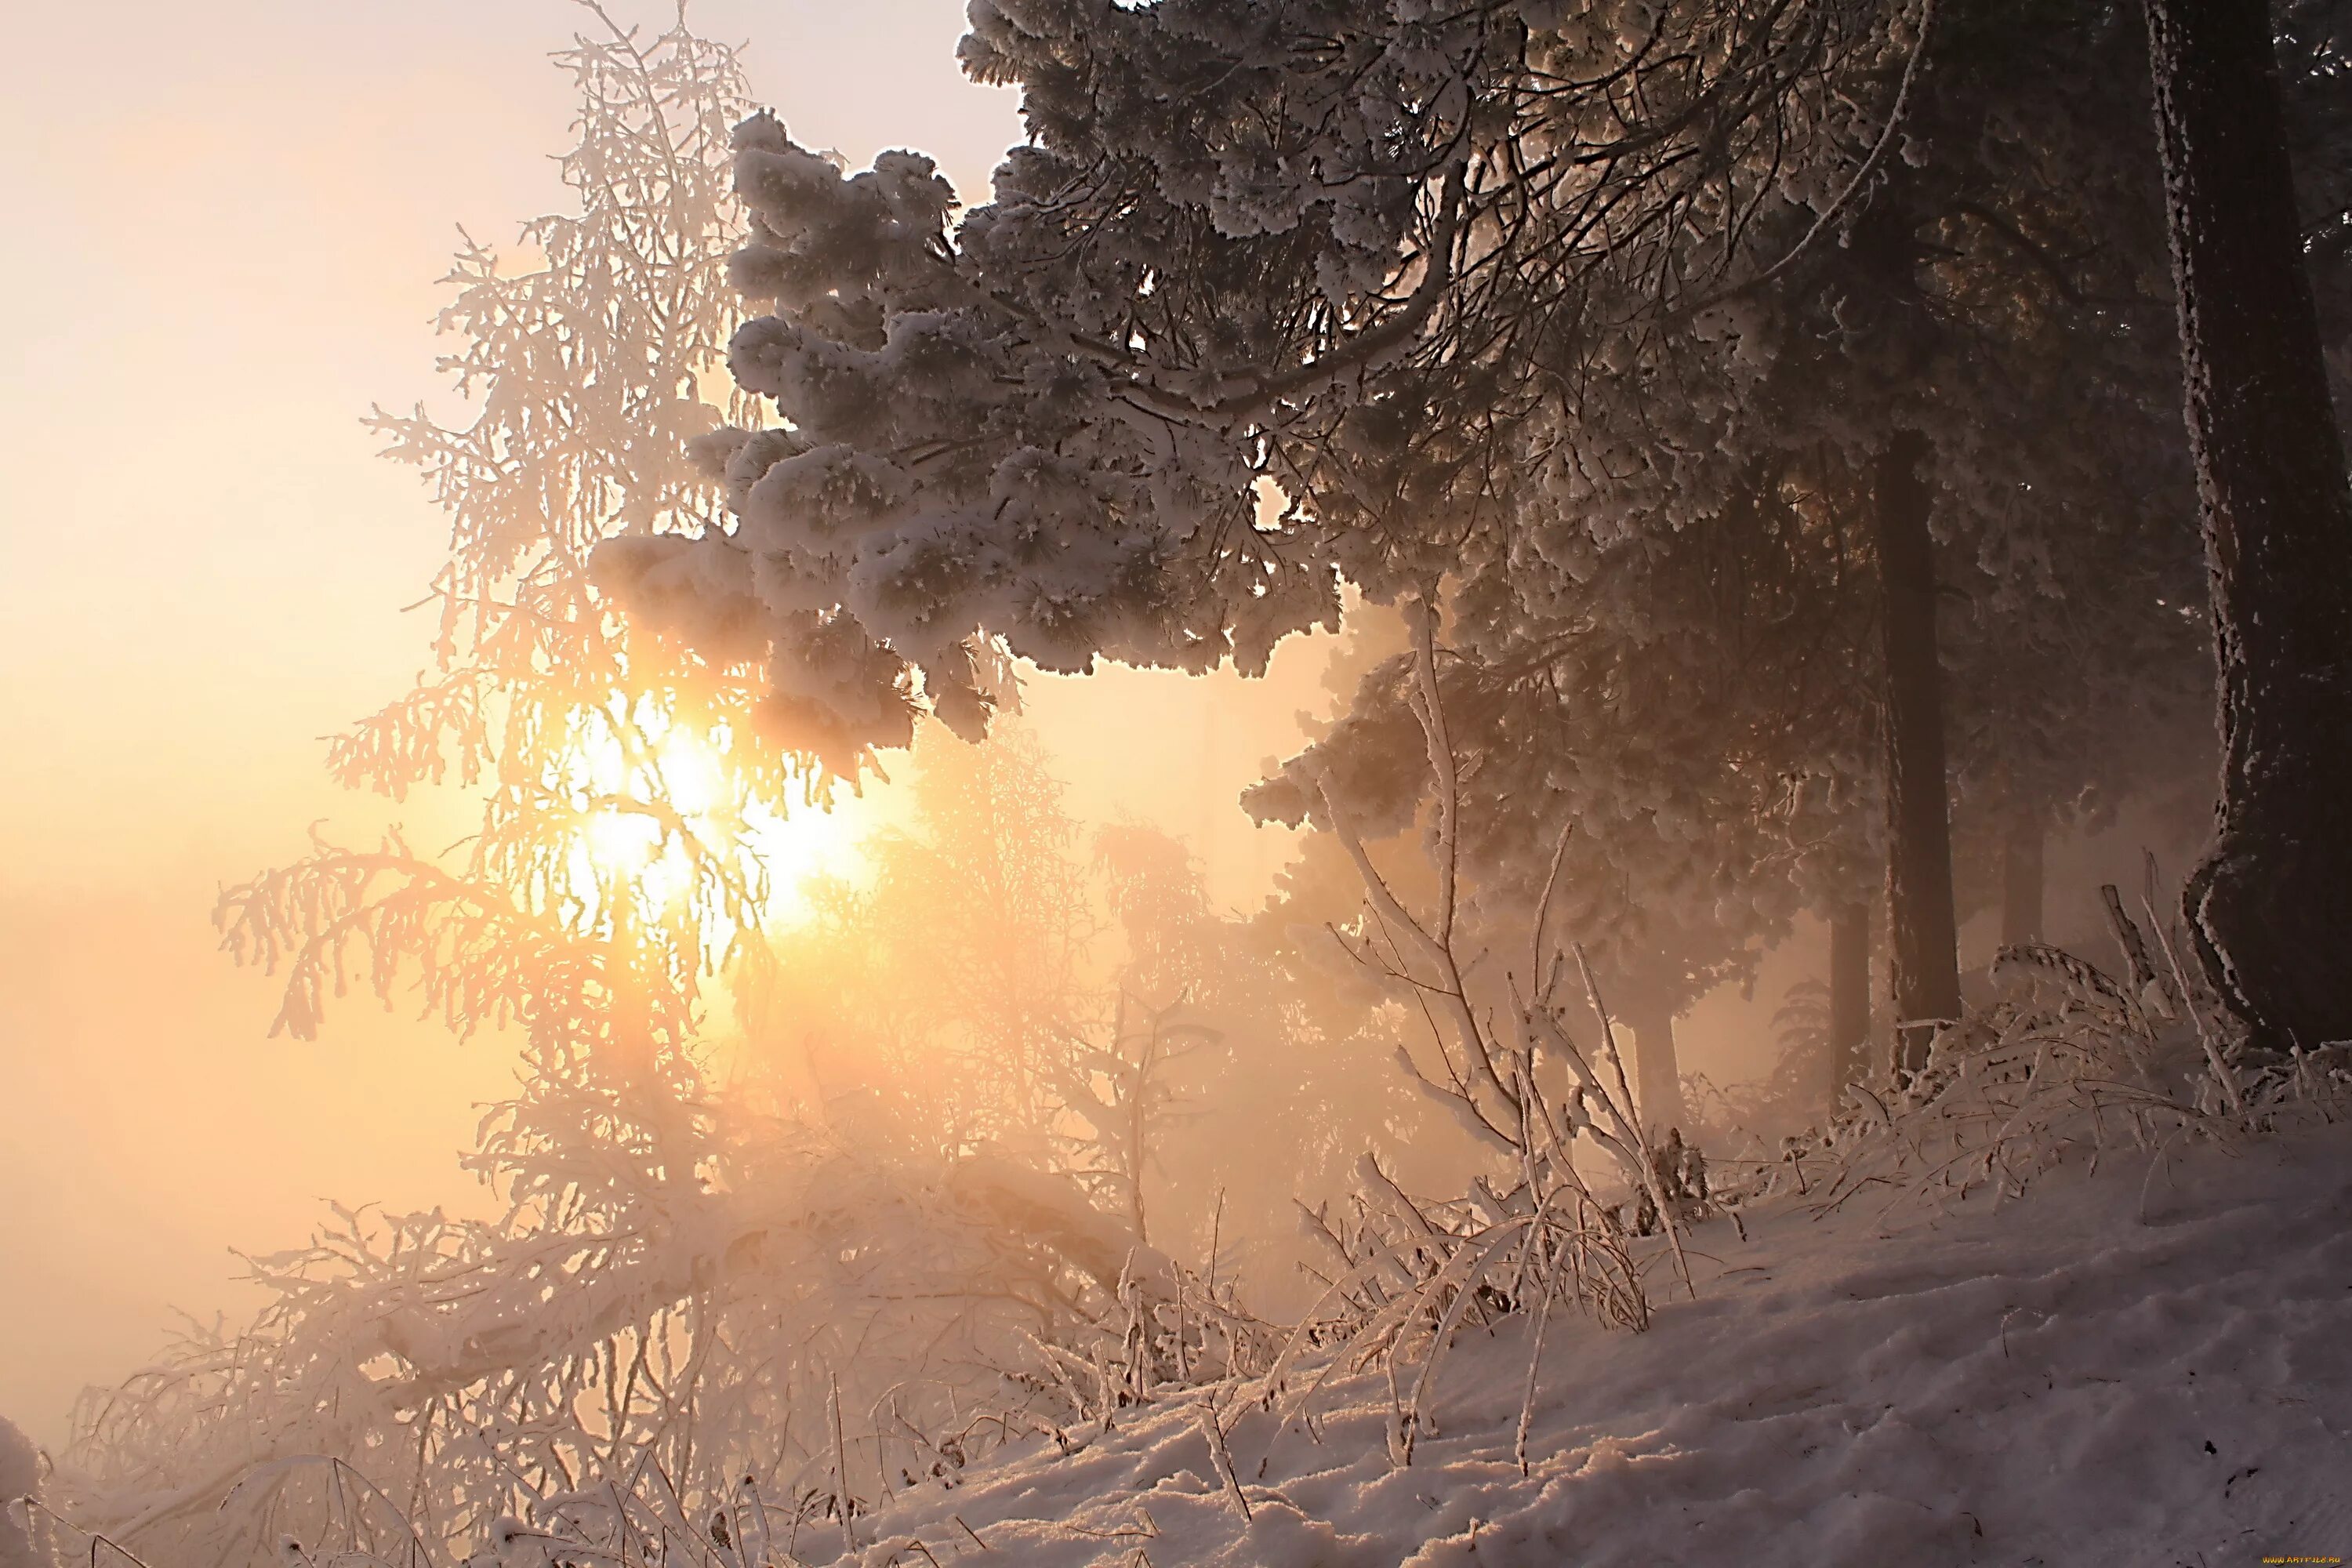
[
  {"x": 152, "y": 1127},
  {"x": 651, "y": 806},
  {"x": 801, "y": 845}
]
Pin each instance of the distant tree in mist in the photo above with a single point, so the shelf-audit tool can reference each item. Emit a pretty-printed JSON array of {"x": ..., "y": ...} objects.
[
  {"x": 947, "y": 979},
  {"x": 1290, "y": 1084},
  {"x": 997, "y": 980}
]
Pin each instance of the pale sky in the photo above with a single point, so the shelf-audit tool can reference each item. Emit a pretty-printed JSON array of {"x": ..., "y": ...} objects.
[{"x": 224, "y": 222}]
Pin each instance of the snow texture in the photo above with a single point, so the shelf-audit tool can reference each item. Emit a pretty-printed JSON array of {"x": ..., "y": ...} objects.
[{"x": 2113, "y": 1370}]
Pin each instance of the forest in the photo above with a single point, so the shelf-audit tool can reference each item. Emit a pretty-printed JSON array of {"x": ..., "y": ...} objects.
[{"x": 1781, "y": 484}]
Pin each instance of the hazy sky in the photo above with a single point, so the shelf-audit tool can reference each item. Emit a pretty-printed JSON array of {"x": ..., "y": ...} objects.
[{"x": 225, "y": 222}]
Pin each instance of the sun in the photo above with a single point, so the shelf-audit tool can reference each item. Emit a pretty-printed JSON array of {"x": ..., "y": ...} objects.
[{"x": 659, "y": 806}]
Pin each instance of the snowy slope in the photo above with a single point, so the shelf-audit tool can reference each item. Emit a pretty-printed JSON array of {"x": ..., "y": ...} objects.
[{"x": 2062, "y": 1381}]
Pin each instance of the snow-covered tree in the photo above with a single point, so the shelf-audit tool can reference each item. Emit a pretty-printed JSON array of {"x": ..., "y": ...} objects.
[
  {"x": 1467, "y": 304},
  {"x": 621, "y": 777},
  {"x": 614, "y": 871},
  {"x": 1236, "y": 237},
  {"x": 679, "y": 1289}
]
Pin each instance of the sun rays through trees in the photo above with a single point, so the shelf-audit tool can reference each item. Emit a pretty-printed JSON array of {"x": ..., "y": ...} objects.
[{"x": 1737, "y": 444}]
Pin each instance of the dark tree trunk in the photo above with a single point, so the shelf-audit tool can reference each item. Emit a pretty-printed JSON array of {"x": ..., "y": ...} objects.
[
  {"x": 1849, "y": 998},
  {"x": 1922, "y": 945},
  {"x": 2271, "y": 905},
  {"x": 2020, "y": 876},
  {"x": 1657, "y": 1075}
]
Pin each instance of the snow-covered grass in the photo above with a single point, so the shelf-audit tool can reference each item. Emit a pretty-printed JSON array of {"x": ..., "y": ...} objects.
[{"x": 2111, "y": 1370}]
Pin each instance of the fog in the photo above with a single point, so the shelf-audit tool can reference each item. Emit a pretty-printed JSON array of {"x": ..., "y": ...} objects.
[
  {"x": 1077, "y": 1024},
  {"x": 233, "y": 219}
]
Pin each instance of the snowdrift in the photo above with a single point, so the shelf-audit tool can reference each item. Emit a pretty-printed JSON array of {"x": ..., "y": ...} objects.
[{"x": 2150, "y": 1365}]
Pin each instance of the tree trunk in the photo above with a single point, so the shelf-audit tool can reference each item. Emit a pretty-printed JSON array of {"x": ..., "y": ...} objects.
[
  {"x": 1849, "y": 998},
  {"x": 1657, "y": 1075},
  {"x": 1922, "y": 946},
  {"x": 2271, "y": 905},
  {"x": 2020, "y": 876}
]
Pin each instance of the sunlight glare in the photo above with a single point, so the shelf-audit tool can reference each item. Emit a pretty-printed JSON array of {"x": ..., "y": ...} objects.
[{"x": 625, "y": 838}]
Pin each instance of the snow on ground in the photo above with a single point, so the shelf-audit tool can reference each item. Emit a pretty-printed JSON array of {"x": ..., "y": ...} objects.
[{"x": 2064, "y": 1381}]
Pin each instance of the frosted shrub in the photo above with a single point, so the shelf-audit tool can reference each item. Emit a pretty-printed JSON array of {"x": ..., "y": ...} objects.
[
  {"x": 2071, "y": 1064},
  {"x": 1405, "y": 1276}
]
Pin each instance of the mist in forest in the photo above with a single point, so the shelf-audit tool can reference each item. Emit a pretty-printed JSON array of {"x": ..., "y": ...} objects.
[
  {"x": 187, "y": 611},
  {"x": 189, "y": 606},
  {"x": 596, "y": 909}
]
